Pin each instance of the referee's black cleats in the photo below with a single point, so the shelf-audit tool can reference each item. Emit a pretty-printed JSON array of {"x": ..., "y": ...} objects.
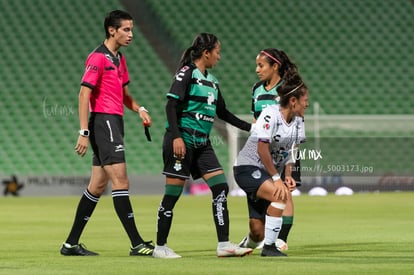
[
  {"x": 144, "y": 249},
  {"x": 76, "y": 250},
  {"x": 272, "y": 251}
]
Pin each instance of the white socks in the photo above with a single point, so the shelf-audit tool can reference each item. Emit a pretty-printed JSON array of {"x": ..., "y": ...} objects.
[{"x": 272, "y": 228}]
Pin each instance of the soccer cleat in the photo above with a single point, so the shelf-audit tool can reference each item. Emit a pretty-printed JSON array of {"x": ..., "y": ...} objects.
[
  {"x": 271, "y": 251},
  {"x": 233, "y": 250},
  {"x": 244, "y": 242},
  {"x": 247, "y": 242},
  {"x": 281, "y": 245},
  {"x": 144, "y": 249},
  {"x": 76, "y": 250},
  {"x": 164, "y": 252}
]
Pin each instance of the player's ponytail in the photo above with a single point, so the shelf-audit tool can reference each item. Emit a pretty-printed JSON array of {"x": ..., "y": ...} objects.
[
  {"x": 287, "y": 69},
  {"x": 203, "y": 41}
]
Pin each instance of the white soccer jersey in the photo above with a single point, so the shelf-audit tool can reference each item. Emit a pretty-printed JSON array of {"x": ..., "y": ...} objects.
[{"x": 283, "y": 137}]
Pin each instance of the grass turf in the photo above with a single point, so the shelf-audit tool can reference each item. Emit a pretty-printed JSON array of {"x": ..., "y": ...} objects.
[{"x": 368, "y": 233}]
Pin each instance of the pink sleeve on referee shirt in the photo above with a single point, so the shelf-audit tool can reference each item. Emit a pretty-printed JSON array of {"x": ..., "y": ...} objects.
[{"x": 94, "y": 67}]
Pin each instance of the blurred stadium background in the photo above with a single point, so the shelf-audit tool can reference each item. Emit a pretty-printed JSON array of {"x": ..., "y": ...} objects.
[{"x": 355, "y": 56}]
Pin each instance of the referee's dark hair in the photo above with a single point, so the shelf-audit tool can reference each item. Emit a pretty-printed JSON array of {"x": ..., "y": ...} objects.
[
  {"x": 114, "y": 18},
  {"x": 203, "y": 41}
]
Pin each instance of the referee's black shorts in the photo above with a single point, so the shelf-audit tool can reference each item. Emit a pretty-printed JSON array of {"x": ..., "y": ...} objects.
[
  {"x": 197, "y": 162},
  {"x": 107, "y": 139}
]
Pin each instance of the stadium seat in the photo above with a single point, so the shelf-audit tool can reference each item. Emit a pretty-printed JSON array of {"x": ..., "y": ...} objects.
[{"x": 355, "y": 57}]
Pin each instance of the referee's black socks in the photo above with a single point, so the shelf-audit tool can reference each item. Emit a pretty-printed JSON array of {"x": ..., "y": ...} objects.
[
  {"x": 123, "y": 209},
  {"x": 85, "y": 209}
]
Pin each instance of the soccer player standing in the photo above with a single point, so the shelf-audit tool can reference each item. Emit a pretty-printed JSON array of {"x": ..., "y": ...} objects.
[
  {"x": 269, "y": 151},
  {"x": 194, "y": 99},
  {"x": 104, "y": 92}
]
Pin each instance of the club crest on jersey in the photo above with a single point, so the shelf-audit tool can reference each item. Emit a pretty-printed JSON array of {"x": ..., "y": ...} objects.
[
  {"x": 266, "y": 126},
  {"x": 256, "y": 174}
]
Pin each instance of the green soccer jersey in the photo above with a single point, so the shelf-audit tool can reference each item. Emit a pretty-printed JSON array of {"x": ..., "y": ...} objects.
[
  {"x": 261, "y": 98},
  {"x": 197, "y": 95}
]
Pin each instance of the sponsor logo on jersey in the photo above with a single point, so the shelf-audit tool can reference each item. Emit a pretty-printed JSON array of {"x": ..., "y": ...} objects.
[
  {"x": 202, "y": 117},
  {"x": 91, "y": 68}
]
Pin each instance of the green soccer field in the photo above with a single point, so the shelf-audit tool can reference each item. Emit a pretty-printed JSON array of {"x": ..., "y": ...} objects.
[{"x": 369, "y": 233}]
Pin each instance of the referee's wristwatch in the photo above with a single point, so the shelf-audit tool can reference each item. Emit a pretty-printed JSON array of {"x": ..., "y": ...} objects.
[{"x": 84, "y": 132}]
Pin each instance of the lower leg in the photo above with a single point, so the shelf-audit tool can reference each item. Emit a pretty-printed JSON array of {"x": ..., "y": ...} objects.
[
  {"x": 165, "y": 212},
  {"x": 286, "y": 226},
  {"x": 84, "y": 211},
  {"x": 123, "y": 208},
  {"x": 256, "y": 230},
  {"x": 220, "y": 189},
  {"x": 287, "y": 219},
  {"x": 273, "y": 222}
]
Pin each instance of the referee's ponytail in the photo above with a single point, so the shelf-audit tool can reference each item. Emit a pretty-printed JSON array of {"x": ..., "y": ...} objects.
[{"x": 203, "y": 41}]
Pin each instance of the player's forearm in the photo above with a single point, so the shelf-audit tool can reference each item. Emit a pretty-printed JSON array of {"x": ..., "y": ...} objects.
[
  {"x": 228, "y": 117},
  {"x": 129, "y": 101},
  {"x": 172, "y": 119},
  {"x": 83, "y": 107},
  {"x": 288, "y": 170},
  {"x": 224, "y": 114}
]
